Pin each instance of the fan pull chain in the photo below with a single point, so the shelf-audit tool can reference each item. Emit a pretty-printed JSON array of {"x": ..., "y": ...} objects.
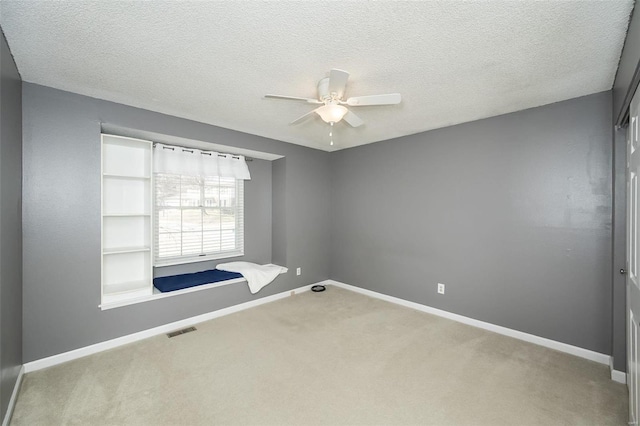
[{"x": 331, "y": 134}]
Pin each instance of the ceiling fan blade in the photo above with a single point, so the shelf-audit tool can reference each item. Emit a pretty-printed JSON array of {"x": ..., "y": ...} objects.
[
  {"x": 293, "y": 98},
  {"x": 338, "y": 82},
  {"x": 352, "y": 119},
  {"x": 388, "y": 99},
  {"x": 303, "y": 117}
]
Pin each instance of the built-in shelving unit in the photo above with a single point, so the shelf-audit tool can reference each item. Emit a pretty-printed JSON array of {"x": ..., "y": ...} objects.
[{"x": 127, "y": 269}]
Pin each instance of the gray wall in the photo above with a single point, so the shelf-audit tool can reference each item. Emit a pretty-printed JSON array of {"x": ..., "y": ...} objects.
[
  {"x": 628, "y": 72},
  {"x": 61, "y": 221},
  {"x": 10, "y": 225},
  {"x": 512, "y": 213}
]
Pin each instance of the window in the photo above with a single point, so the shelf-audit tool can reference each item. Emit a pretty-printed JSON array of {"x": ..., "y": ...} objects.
[{"x": 197, "y": 218}]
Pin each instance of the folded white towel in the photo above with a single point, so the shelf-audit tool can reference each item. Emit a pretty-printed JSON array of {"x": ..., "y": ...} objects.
[{"x": 257, "y": 276}]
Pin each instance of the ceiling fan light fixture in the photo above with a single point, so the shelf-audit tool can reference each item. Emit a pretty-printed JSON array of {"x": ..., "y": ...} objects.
[{"x": 332, "y": 113}]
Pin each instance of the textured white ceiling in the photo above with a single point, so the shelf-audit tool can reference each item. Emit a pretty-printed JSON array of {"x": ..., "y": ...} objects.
[{"x": 214, "y": 61}]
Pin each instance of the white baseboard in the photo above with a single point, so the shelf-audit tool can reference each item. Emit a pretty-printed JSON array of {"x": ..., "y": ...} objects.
[
  {"x": 14, "y": 396},
  {"x": 548, "y": 343},
  {"x": 166, "y": 328},
  {"x": 618, "y": 376}
]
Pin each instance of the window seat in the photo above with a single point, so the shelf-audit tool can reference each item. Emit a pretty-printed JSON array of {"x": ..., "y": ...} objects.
[
  {"x": 195, "y": 282},
  {"x": 182, "y": 281}
]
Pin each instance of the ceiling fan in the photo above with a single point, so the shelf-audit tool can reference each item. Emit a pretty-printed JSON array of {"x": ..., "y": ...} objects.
[{"x": 331, "y": 91}]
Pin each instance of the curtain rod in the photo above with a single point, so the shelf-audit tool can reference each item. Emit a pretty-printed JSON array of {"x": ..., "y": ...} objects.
[{"x": 184, "y": 148}]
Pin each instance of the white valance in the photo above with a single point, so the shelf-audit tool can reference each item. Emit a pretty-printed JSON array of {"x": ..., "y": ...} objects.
[{"x": 194, "y": 162}]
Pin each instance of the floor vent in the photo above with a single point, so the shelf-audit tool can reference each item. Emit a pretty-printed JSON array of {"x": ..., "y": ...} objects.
[{"x": 179, "y": 332}]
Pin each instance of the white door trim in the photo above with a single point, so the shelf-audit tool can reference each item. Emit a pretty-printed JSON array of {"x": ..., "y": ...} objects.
[{"x": 14, "y": 397}]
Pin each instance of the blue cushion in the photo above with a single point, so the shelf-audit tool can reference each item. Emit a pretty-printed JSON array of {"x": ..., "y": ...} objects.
[{"x": 178, "y": 282}]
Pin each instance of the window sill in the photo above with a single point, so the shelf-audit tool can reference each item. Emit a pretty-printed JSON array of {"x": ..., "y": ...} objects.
[{"x": 159, "y": 295}]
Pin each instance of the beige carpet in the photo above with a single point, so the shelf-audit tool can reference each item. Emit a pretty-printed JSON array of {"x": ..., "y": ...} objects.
[{"x": 325, "y": 358}]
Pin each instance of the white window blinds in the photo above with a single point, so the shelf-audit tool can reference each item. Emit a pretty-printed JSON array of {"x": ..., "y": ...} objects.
[{"x": 198, "y": 215}]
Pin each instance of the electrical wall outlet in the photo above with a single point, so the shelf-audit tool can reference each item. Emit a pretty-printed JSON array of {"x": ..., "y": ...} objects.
[
  {"x": 440, "y": 288},
  {"x": 299, "y": 271}
]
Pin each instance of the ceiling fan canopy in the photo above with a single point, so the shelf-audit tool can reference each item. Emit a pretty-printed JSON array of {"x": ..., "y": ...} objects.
[{"x": 331, "y": 95}]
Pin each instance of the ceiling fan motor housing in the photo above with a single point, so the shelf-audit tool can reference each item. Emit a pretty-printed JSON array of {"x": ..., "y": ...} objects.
[{"x": 323, "y": 89}]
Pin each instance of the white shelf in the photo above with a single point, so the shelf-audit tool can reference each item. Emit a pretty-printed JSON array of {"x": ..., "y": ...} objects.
[
  {"x": 126, "y": 195},
  {"x": 126, "y": 219},
  {"x": 125, "y": 231},
  {"x": 118, "y": 268},
  {"x": 127, "y": 215},
  {"x": 125, "y": 156},
  {"x": 117, "y": 176},
  {"x": 125, "y": 292},
  {"x": 126, "y": 287},
  {"x": 123, "y": 250}
]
